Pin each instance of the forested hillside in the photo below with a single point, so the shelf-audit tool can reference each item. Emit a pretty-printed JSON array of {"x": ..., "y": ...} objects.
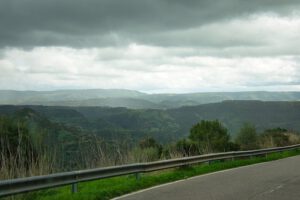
[
  {"x": 86, "y": 137},
  {"x": 234, "y": 113},
  {"x": 166, "y": 125}
]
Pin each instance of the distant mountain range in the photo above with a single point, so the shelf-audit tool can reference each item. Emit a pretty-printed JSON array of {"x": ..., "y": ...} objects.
[{"x": 133, "y": 99}]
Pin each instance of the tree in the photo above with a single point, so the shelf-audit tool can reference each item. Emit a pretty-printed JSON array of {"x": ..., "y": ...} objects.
[
  {"x": 187, "y": 147},
  {"x": 274, "y": 138},
  {"x": 210, "y": 136},
  {"x": 149, "y": 142},
  {"x": 247, "y": 137},
  {"x": 149, "y": 150}
]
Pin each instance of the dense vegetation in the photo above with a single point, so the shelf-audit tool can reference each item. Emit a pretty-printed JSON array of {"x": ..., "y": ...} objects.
[
  {"x": 167, "y": 125},
  {"x": 41, "y": 139}
]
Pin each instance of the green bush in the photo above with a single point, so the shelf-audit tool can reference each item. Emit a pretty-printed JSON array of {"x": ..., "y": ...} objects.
[
  {"x": 247, "y": 137},
  {"x": 210, "y": 136}
]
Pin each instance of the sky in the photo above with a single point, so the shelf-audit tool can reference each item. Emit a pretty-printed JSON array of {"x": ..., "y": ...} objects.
[{"x": 155, "y": 46}]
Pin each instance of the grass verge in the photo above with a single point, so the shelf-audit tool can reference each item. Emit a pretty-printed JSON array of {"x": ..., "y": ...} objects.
[{"x": 113, "y": 187}]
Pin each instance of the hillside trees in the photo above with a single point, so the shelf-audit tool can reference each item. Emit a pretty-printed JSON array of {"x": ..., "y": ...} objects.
[
  {"x": 247, "y": 137},
  {"x": 148, "y": 150},
  {"x": 275, "y": 137},
  {"x": 210, "y": 136},
  {"x": 187, "y": 147}
]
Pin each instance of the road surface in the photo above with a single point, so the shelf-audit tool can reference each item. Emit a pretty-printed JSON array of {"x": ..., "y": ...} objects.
[{"x": 276, "y": 180}]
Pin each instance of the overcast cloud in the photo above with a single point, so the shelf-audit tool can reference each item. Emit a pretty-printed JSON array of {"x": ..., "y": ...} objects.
[{"x": 150, "y": 45}]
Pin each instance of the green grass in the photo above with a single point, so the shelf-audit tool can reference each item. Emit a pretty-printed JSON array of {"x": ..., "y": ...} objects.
[{"x": 113, "y": 187}]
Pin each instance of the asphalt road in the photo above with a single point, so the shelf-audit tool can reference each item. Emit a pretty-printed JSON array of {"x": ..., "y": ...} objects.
[{"x": 276, "y": 180}]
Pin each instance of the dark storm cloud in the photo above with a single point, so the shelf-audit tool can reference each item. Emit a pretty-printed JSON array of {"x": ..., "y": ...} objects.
[{"x": 77, "y": 23}]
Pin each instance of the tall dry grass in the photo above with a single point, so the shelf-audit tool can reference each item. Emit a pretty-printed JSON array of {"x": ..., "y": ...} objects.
[{"x": 22, "y": 160}]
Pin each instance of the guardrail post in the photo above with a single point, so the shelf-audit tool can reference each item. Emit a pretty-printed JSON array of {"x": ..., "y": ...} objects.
[{"x": 74, "y": 188}]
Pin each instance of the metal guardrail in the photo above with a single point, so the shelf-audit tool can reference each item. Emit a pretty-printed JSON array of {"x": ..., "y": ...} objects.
[{"x": 21, "y": 185}]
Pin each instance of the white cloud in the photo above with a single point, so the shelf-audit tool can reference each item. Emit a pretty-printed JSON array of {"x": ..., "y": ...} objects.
[
  {"x": 54, "y": 68},
  {"x": 259, "y": 52}
]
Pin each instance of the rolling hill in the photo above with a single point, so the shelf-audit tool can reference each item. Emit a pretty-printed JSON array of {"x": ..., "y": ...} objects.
[
  {"x": 133, "y": 99},
  {"x": 167, "y": 124}
]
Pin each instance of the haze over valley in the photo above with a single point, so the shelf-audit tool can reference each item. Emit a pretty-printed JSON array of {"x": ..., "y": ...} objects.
[{"x": 134, "y": 99}]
